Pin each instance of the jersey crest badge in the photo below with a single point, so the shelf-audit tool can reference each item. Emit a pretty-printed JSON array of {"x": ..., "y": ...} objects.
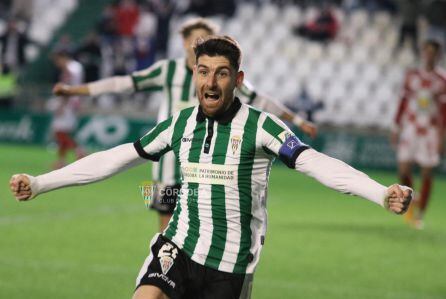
[{"x": 235, "y": 143}]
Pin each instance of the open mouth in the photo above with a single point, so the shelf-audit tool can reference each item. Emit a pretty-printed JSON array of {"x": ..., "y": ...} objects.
[{"x": 211, "y": 96}]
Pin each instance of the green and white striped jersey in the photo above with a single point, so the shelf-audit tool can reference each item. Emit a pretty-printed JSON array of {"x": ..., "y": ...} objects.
[
  {"x": 220, "y": 218},
  {"x": 174, "y": 79}
]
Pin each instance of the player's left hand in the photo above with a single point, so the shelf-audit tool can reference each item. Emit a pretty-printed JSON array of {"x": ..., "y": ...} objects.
[
  {"x": 309, "y": 128},
  {"x": 398, "y": 199}
]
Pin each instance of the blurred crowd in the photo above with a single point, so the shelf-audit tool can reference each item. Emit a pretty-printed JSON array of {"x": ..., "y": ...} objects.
[{"x": 131, "y": 34}]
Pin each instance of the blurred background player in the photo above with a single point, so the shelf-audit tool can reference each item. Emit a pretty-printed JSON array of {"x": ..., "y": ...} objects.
[
  {"x": 65, "y": 108},
  {"x": 419, "y": 130},
  {"x": 174, "y": 78}
]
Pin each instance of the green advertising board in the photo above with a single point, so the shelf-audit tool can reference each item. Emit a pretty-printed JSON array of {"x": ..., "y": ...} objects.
[
  {"x": 357, "y": 148},
  {"x": 94, "y": 131}
]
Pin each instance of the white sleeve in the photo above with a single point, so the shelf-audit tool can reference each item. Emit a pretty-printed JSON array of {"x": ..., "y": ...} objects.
[
  {"x": 249, "y": 95},
  {"x": 338, "y": 175},
  {"x": 92, "y": 168},
  {"x": 275, "y": 107},
  {"x": 115, "y": 84},
  {"x": 269, "y": 105}
]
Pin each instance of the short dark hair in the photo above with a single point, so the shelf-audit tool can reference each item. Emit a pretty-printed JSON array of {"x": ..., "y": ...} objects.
[
  {"x": 198, "y": 23},
  {"x": 219, "y": 46},
  {"x": 432, "y": 43}
]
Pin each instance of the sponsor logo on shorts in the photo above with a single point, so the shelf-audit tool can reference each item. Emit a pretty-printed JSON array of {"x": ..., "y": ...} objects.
[
  {"x": 167, "y": 255},
  {"x": 163, "y": 277}
]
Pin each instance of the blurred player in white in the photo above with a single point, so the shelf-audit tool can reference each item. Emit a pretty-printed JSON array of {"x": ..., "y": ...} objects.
[
  {"x": 419, "y": 134},
  {"x": 65, "y": 108},
  {"x": 174, "y": 78}
]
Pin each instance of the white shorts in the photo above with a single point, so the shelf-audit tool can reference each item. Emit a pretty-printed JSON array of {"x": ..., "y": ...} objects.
[{"x": 421, "y": 149}]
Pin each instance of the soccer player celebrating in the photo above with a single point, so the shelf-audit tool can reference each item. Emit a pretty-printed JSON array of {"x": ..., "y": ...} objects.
[
  {"x": 174, "y": 78},
  {"x": 418, "y": 134},
  {"x": 225, "y": 149}
]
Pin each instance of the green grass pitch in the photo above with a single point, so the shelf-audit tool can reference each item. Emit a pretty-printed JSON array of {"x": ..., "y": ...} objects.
[{"x": 89, "y": 242}]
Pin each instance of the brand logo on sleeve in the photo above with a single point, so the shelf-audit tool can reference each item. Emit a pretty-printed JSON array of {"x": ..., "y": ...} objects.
[{"x": 292, "y": 144}]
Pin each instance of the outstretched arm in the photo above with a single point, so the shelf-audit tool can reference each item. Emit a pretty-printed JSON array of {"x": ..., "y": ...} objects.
[
  {"x": 337, "y": 175},
  {"x": 115, "y": 84},
  {"x": 93, "y": 168},
  {"x": 149, "y": 79},
  {"x": 333, "y": 173},
  {"x": 276, "y": 108},
  {"x": 305, "y": 126},
  {"x": 97, "y": 166}
]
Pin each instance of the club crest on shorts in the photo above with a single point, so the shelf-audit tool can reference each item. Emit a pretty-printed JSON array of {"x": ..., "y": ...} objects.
[
  {"x": 167, "y": 255},
  {"x": 235, "y": 142}
]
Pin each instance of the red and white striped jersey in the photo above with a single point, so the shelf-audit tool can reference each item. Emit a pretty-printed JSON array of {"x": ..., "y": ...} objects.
[{"x": 423, "y": 101}]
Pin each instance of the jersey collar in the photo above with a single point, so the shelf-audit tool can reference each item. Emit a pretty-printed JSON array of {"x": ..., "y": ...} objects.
[{"x": 224, "y": 118}]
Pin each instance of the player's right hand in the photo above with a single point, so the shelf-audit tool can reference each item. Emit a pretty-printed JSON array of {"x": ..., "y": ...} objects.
[
  {"x": 61, "y": 89},
  {"x": 20, "y": 185}
]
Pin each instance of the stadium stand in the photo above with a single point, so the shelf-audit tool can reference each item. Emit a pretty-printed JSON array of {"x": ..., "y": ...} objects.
[
  {"x": 351, "y": 75},
  {"x": 360, "y": 70}
]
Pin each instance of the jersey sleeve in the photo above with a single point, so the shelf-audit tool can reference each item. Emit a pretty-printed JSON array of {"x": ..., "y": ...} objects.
[
  {"x": 156, "y": 142},
  {"x": 339, "y": 176},
  {"x": 246, "y": 93},
  {"x": 150, "y": 79},
  {"x": 280, "y": 141}
]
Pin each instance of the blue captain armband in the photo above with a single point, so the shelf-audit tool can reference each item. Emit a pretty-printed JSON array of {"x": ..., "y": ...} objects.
[{"x": 290, "y": 150}]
